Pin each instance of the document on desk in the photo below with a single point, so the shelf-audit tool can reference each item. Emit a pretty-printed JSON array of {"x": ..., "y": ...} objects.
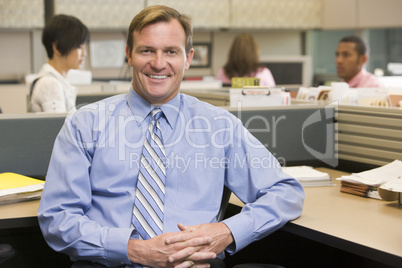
[
  {"x": 366, "y": 183},
  {"x": 16, "y": 188},
  {"x": 308, "y": 176},
  {"x": 377, "y": 176}
]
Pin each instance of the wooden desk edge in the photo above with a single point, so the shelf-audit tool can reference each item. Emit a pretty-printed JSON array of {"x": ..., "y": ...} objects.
[
  {"x": 342, "y": 244},
  {"x": 19, "y": 223}
]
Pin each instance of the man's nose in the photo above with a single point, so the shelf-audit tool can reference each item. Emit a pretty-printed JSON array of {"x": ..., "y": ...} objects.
[{"x": 158, "y": 62}]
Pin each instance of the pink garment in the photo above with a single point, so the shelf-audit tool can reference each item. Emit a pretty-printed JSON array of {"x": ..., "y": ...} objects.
[
  {"x": 265, "y": 75},
  {"x": 365, "y": 79}
]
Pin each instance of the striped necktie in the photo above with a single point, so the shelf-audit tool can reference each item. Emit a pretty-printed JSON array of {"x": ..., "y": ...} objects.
[{"x": 150, "y": 192}]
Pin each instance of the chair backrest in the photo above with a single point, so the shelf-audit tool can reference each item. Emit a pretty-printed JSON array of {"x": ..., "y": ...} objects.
[{"x": 224, "y": 203}]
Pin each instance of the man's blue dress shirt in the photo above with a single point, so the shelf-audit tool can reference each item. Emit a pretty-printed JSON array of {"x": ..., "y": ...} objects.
[{"x": 86, "y": 206}]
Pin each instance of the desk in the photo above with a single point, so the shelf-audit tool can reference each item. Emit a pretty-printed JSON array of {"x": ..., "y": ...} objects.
[
  {"x": 17, "y": 215},
  {"x": 366, "y": 227},
  {"x": 19, "y": 227}
]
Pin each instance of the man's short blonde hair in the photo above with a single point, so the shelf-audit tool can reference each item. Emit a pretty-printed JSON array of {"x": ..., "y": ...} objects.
[{"x": 160, "y": 13}]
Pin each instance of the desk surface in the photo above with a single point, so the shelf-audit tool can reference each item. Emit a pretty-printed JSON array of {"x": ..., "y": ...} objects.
[{"x": 364, "y": 226}]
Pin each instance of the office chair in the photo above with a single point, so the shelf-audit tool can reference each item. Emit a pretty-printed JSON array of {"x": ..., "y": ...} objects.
[
  {"x": 220, "y": 217},
  {"x": 257, "y": 265},
  {"x": 224, "y": 204},
  {"x": 6, "y": 252}
]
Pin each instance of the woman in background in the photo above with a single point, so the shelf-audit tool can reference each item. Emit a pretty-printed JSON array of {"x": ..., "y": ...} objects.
[
  {"x": 64, "y": 38},
  {"x": 243, "y": 61}
]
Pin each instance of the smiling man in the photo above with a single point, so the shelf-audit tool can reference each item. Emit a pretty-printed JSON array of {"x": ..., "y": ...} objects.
[
  {"x": 351, "y": 57},
  {"x": 117, "y": 192},
  {"x": 158, "y": 68}
]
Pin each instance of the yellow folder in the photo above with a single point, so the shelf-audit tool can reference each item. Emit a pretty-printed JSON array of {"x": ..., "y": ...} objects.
[
  {"x": 16, "y": 188},
  {"x": 11, "y": 180}
]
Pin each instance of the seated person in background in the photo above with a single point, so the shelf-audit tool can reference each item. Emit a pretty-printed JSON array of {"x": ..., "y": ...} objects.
[
  {"x": 112, "y": 156},
  {"x": 64, "y": 38},
  {"x": 351, "y": 57},
  {"x": 243, "y": 61}
]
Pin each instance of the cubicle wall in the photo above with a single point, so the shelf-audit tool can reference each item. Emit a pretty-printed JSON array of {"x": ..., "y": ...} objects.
[
  {"x": 294, "y": 135},
  {"x": 369, "y": 135},
  {"x": 26, "y": 142}
]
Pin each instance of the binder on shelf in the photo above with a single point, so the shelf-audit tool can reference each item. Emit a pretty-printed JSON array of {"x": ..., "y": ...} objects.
[
  {"x": 17, "y": 188},
  {"x": 240, "y": 82},
  {"x": 256, "y": 96}
]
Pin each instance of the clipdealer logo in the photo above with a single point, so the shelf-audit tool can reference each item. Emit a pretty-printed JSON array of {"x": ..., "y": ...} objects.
[{"x": 328, "y": 156}]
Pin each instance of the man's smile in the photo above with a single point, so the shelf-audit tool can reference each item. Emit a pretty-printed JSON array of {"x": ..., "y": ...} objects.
[{"x": 154, "y": 76}]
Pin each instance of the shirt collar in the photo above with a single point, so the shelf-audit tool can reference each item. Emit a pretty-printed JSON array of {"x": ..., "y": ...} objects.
[
  {"x": 357, "y": 78},
  {"x": 141, "y": 108}
]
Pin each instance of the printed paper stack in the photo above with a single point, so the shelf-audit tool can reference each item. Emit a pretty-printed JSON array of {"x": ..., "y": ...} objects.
[
  {"x": 308, "y": 176},
  {"x": 366, "y": 183}
]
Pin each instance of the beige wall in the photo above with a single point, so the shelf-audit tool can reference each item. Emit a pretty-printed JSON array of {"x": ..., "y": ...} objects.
[
  {"x": 15, "y": 54},
  {"x": 22, "y": 53},
  {"x": 270, "y": 43}
]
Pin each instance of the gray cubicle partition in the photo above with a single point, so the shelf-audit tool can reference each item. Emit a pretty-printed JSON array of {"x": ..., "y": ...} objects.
[
  {"x": 294, "y": 134},
  {"x": 26, "y": 142},
  {"x": 83, "y": 99},
  {"x": 371, "y": 135}
]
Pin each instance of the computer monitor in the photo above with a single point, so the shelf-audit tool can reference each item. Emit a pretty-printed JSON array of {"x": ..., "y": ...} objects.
[{"x": 289, "y": 71}]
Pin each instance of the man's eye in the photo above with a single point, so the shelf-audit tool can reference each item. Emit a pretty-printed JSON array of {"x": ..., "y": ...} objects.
[{"x": 171, "y": 52}]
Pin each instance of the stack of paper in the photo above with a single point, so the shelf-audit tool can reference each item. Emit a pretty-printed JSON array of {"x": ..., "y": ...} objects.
[
  {"x": 313, "y": 93},
  {"x": 17, "y": 188},
  {"x": 370, "y": 180},
  {"x": 359, "y": 189},
  {"x": 308, "y": 176}
]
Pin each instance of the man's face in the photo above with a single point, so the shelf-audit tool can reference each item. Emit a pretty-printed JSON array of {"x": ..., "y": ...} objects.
[
  {"x": 348, "y": 62},
  {"x": 159, "y": 60}
]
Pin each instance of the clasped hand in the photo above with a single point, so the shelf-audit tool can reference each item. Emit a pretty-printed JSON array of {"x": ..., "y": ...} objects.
[{"x": 188, "y": 248}]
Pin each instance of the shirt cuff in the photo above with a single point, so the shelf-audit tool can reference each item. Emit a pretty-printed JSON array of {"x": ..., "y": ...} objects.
[
  {"x": 241, "y": 227},
  {"x": 116, "y": 246}
]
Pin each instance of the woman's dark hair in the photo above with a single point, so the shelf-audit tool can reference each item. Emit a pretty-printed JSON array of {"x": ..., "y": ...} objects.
[{"x": 67, "y": 32}]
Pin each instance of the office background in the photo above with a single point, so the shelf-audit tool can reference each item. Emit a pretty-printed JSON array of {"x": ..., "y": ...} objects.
[{"x": 282, "y": 28}]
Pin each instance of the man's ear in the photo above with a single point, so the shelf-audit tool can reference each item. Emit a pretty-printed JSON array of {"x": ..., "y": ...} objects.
[
  {"x": 362, "y": 60},
  {"x": 189, "y": 58},
  {"x": 128, "y": 56}
]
